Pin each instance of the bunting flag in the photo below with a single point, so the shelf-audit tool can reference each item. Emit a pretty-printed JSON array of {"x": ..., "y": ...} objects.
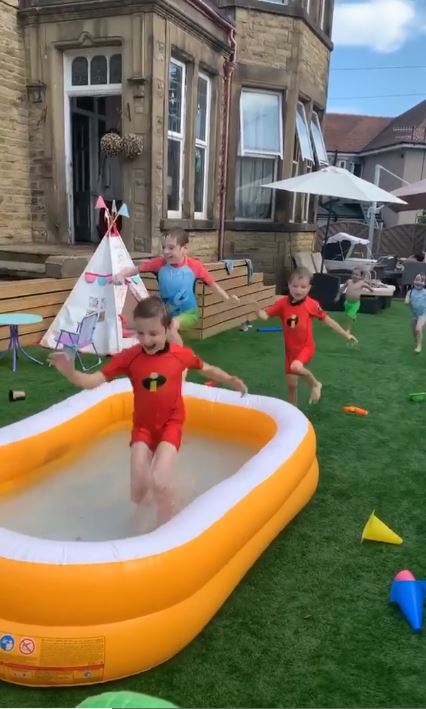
[
  {"x": 100, "y": 203},
  {"x": 124, "y": 211}
]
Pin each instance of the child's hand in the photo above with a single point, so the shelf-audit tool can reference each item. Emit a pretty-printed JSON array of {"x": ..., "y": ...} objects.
[
  {"x": 238, "y": 385},
  {"x": 62, "y": 363},
  {"x": 235, "y": 297},
  {"x": 118, "y": 278}
]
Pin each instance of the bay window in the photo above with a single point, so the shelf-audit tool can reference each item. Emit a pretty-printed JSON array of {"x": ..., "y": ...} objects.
[
  {"x": 176, "y": 138},
  {"x": 260, "y": 148},
  {"x": 318, "y": 141},
  {"x": 202, "y": 141}
]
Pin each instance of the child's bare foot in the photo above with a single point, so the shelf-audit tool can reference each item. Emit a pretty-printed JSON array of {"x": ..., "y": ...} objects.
[
  {"x": 315, "y": 393},
  {"x": 418, "y": 349}
]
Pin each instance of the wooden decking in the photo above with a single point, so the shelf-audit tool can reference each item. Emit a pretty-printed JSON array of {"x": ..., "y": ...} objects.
[{"x": 45, "y": 296}]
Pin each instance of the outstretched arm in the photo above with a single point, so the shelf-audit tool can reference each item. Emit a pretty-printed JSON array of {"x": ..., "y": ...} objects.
[
  {"x": 223, "y": 294},
  {"x": 221, "y": 377},
  {"x": 262, "y": 315},
  {"x": 333, "y": 325},
  {"x": 83, "y": 380}
]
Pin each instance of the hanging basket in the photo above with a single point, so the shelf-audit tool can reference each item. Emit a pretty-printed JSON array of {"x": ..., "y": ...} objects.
[
  {"x": 132, "y": 146},
  {"x": 112, "y": 145}
]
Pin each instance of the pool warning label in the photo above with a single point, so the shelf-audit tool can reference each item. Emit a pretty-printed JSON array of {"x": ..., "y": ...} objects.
[{"x": 36, "y": 660}]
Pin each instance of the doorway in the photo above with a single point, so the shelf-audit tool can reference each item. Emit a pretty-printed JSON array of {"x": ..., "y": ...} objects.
[{"x": 90, "y": 118}]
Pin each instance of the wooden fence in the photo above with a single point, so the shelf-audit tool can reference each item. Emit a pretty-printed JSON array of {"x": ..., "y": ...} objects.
[
  {"x": 401, "y": 241},
  {"x": 46, "y": 296}
]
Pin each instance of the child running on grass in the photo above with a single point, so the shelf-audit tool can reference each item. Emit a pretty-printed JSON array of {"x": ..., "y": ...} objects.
[
  {"x": 353, "y": 289},
  {"x": 416, "y": 298},
  {"x": 296, "y": 311},
  {"x": 155, "y": 369},
  {"x": 177, "y": 275}
]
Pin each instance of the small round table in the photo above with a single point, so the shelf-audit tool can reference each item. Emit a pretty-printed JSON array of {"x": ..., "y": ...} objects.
[{"x": 14, "y": 320}]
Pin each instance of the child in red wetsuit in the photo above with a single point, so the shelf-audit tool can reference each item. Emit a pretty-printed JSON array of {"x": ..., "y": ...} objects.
[
  {"x": 177, "y": 274},
  {"x": 155, "y": 369},
  {"x": 296, "y": 311}
]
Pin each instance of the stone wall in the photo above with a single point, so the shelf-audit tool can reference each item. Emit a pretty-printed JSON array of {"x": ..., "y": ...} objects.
[
  {"x": 270, "y": 252},
  {"x": 264, "y": 38},
  {"x": 314, "y": 65},
  {"x": 15, "y": 195}
]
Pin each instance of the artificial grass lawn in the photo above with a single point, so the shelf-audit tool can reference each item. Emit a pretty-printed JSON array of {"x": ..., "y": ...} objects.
[{"x": 311, "y": 624}]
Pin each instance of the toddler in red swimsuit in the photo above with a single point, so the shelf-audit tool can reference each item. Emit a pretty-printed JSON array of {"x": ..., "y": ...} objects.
[
  {"x": 155, "y": 370},
  {"x": 296, "y": 311}
]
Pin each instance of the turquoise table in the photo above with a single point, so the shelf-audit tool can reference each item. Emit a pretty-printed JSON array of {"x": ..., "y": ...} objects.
[{"x": 13, "y": 321}]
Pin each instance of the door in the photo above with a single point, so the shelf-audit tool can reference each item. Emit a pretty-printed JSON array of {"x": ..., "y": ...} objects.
[{"x": 81, "y": 165}]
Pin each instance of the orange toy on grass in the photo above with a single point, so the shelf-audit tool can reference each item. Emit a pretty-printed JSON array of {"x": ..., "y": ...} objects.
[{"x": 355, "y": 410}]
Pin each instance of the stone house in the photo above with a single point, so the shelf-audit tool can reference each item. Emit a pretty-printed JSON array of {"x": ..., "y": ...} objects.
[
  {"x": 395, "y": 147},
  {"x": 226, "y": 95}
]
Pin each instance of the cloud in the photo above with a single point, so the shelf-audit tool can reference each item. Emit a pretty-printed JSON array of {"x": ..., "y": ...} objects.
[{"x": 381, "y": 25}]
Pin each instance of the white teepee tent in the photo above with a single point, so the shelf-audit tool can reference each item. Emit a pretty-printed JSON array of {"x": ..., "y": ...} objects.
[{"x": 95, "y": 292}]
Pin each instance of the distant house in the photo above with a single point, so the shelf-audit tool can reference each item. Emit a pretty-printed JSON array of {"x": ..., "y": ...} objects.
[{"x": 359, "y": 143}]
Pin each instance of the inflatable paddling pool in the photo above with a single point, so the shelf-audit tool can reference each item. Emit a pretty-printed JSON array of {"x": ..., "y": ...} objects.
[{"x": 82, "y": 612}]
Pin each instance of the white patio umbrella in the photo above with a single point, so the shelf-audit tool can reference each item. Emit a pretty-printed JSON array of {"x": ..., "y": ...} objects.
[{"x": 337, "y": 182}]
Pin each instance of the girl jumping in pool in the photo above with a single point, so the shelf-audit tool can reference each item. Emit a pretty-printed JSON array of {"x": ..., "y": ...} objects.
[{"x": 155, "y": 369}]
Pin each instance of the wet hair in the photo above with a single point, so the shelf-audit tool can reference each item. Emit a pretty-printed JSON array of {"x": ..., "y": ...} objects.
[
  {"x": 153, "y": 307},
  {"x": 357, "y": 272},
  {"x": 180, "y": 235},
  {"x": 420, "y": 256},
  {"x": 420, "y": 276},
  {"x": 301, "y": 272}
]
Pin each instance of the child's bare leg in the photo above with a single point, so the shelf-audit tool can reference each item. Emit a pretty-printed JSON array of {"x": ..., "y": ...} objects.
[
  {"x": 140, "y": 471},
  {"x": 162, "y": 471},
  {"x": 421, "y": 321},
  {"x": 349, "y": 324},
  {"x": 292, "y": 382},
  {"x": 316, "y": 386}
]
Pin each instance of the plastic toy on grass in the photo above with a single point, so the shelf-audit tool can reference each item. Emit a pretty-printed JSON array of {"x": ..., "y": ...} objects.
[
  {"x": 116, "y": 700},
  {"x": 357, "y": 410},
  {"x": 409, "y": 595},
  {"x": 418, "y": 396},
  {"x": 269, "y": 329},
  {"x": 377, "y": 531}
]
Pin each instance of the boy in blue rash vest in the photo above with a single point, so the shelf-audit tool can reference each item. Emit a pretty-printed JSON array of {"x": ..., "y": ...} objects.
[{"x": 177, "y": 274}]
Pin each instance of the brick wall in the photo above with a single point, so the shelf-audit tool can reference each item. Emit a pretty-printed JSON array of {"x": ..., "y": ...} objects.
[
  {"x": 271, "y": 252},
  {"x": 203, "y": 245},
  {"x": 15, "y": 196}
]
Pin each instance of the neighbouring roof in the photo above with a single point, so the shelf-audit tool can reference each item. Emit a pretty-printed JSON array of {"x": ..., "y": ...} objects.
[{"x": 349, "y": 133}]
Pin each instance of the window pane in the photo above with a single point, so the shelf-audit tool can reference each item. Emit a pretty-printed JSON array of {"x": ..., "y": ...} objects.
[
  {"x": 357, "y": 169},
  {"x": 317, "y": 137},
  {"x": 260, "y": 122},
  {"x": 86, "y": 103},
  {"x": 98, "y": 70},
  {"x": 115, "y": 69},
  {"x": 202, "y": 109},
  {"x": 175, "y": 97},
  {"x": 303, "y": 134},
  {"x": 251, "y": 201},
  {"x": 173, "y": 175},
  {"x": 79, "y": 72},
  {"x": 200, "y": 166}
]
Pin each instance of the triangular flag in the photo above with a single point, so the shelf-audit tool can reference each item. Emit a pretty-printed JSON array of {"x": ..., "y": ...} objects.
[
  {"x": 100, "y": 203},
  {"x": 114, "y": 207},
  {"x": 124, "y": 211}
]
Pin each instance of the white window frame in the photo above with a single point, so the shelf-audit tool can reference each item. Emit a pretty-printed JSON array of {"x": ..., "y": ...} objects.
[
  {"x": 271, "y": 155},
  {"x": 262, "y": 153},
  {"x": 315, "y": 119},
  {"x": 180, "y": 138},
  {"x": 308, "y": 6},
  {"x": 205, "y": 145},
  {"x": 322, "y": 14},
  {"x": 342, "y": 164},
  {"x": 309, "y": 158},
  {"x": 90, "y": 89},
  {"x": 71, "y": 91}
]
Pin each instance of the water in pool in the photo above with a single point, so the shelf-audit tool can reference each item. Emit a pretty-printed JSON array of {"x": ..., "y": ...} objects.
[{"x": 88, "y": 499}]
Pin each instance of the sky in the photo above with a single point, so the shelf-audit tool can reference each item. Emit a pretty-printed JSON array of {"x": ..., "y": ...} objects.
[{"x": 371, "y": 38}]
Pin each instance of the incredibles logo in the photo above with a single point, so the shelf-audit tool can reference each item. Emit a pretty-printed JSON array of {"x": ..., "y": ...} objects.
[
  {"x": 292, "y": 321},
  {"x": 153, "y": 382}
]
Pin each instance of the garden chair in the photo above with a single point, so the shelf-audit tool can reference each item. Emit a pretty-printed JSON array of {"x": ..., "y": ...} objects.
[{"x": 83, "y": 337}]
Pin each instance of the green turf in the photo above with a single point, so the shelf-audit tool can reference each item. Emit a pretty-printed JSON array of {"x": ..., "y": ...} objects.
[{"x": 311, "y": 624}]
